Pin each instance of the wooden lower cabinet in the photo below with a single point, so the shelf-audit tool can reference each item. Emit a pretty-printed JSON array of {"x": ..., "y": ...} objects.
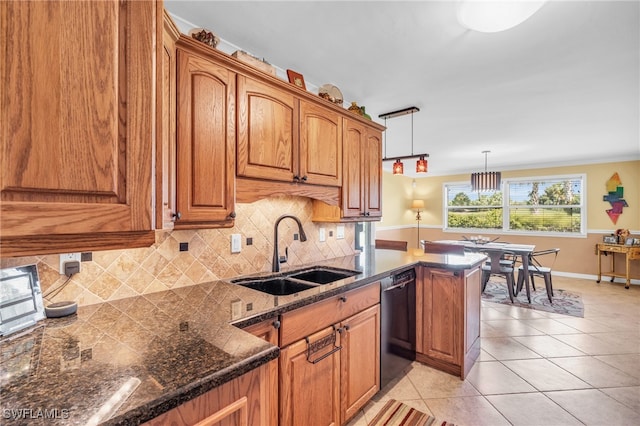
[
  {"x": 328, "y": 376},
  {"x": 243, "y": 401},
  {"x": 359, "y": 361},
  {"x": 310, "y": 382},
  {"x": 448, "y": 319}
]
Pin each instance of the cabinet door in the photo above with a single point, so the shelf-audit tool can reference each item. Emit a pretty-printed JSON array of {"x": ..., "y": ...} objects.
[
  {"x": 77, "y": 114},
  {"x": 320, "y": 145},
  {"x": 372, "y": 166},
  {"x": 242, "y": 401},
  {"x": 359, "y": 360},
  {"x": 268, "y": 330},
  {"x": 441, "y": 315},
  {"x": 310, "y": 386},
  {"x": 353, "y": 201},
  {"x": 267, "y": 132},
  {"x": 166, "y": 128},
  {"x": 205, "y": 182}
]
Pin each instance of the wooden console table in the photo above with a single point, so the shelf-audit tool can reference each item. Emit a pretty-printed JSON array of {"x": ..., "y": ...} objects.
[{"x": 630, "y": 253}]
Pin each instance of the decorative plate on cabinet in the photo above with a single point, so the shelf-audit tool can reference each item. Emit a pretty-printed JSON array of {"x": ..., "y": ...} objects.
[{"x": 331, "y": 93}]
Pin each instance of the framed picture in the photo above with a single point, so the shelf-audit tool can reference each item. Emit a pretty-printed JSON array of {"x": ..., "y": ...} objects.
[
  {"x": 628, "y": 242},
  {"x": 296, "y": 79},
  {"x": 636, "y": 241},
  {"x": 609, "y": 239}
]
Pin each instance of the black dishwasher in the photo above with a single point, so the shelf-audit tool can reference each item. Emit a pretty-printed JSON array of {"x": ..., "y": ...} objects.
[{"x": 398, "y": 324}]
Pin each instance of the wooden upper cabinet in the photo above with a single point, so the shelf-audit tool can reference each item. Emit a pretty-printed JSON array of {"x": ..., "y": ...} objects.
[
  {"x": 362, "y": 176},
  {"x": 206, "y": 138},
  {"x": 372, "y": 166},
  {"x": 77, "y": 114},
  {"x": 166, "y": 127},
  {"x": 320, "y": 145},
  {"x": 283, "y": 138},
  {"x": 267, "y": 132},
  {"x": 354, "y": 179}
]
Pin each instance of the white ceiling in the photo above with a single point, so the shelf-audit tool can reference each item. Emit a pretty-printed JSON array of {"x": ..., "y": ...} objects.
[{"x": 561, "y": 88}]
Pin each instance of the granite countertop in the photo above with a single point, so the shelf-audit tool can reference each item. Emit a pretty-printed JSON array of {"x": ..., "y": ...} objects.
[{"x": 160, "y": 349}]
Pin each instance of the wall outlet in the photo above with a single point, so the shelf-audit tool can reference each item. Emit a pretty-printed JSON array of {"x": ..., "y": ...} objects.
[
  {"x": 69, "y": 257},
  {"x": 236, "y": 309},
  {"x": 323, "y": 235},
  {"x": 236, "y": 243},
  {"x": 339, "y": 232}
]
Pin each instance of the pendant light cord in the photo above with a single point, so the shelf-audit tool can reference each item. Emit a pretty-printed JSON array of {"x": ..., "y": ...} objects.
[{"x": 411, "y": 133}]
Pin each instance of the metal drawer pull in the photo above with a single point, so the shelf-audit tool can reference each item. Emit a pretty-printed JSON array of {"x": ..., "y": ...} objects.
[{"x": 320, "y": 344}]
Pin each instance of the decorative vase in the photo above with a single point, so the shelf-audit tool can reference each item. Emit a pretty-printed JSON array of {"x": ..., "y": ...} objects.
[
  {"x": 364, "y": 113},
  {"x": 355, "y": 108}
]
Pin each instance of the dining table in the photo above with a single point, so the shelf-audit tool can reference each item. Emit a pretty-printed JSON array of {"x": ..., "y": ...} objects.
[{"x": 522, "y": 250}]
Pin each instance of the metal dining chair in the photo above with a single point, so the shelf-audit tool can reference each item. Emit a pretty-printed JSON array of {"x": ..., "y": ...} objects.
[
  {"x": 496, "y": 266},
  {"x": 536, "y": 268}
]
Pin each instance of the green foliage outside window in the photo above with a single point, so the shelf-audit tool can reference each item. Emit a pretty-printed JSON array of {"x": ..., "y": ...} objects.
[{"x": 546, "y": 205}]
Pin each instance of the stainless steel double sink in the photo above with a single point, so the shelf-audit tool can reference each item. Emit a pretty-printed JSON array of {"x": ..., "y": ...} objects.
[{"x": 285, "y": 283}]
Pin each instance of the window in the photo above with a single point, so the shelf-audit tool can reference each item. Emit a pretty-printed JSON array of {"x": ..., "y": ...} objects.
[{"x": 526, "y": 205}]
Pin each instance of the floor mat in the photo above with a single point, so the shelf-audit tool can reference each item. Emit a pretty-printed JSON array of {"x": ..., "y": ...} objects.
[
  {"x": 564, "y": 302},
  {"x": 396, "y": 413}
]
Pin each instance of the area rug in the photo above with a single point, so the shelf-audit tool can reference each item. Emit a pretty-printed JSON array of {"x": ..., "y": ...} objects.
[
  {"x": 396, "y": 413},
  {"x": 564, "y": 302}
]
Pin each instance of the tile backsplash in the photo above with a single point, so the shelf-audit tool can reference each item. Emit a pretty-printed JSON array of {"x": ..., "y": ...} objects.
[{"x": 116, "y": 274}]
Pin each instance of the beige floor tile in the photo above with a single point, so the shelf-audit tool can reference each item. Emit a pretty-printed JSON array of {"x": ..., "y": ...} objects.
[
  {"x": 548, "y": 346},
  {"x": 595, "y": 372},
  {"x": 432, "y": 383},
  {"x": 492, "y": 378},
  {"x": 358, "y": 420},
  {"x": 550, "y": 326},
  {"x": 513, "y": 327},
  {"x": 531, "y": 409},
  {"x": 503, "y": 348},
  {"x": 628, "y": 342},
  {"x": 493, "y": 314},
  {"x": 484, "y": 356},
  {"x": 594, "y": 407},
  {"x": 586, "y": 325},
  {"x": 591, "y": 344},
  {"x": 544, "y": 375},
  {"x": 398, "y": 389},
  {"x": 629, "y": 396},
  {"x": 470, "y": 410},
  {"x": 629, "y": 363},
  {"x": 523, "y": 313},
  {"x": 487, "y": 331}
]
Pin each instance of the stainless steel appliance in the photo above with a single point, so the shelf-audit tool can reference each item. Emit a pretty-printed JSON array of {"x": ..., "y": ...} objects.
[
  {"x": 398, "y": 324},
  {"x": 21, "y": 303}
]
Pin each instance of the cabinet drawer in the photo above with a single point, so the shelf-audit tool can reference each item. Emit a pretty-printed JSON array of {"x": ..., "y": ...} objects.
[{"x": 304, "y": 321}]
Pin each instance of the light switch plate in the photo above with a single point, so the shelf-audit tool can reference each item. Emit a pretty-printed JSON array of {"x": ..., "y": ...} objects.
[
  {"x": 323, "y": 235},
  {"x": 339, "y": 232},
  {"x": 236, "y": 243}
]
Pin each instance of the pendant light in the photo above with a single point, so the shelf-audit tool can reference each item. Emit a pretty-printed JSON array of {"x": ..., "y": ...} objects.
[
  {"x": 485, "y": 181},
  {"x": 398, "y": 166}
]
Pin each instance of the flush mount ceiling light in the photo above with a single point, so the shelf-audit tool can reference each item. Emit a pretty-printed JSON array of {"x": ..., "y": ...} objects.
[
  {"x": 494, "y": 16},
  {"x": 398, "y": 167},
  {"x": 485, "y": 181}
]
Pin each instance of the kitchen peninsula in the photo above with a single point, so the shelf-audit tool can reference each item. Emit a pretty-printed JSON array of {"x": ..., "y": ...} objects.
[{"x": 131, "y": 360}]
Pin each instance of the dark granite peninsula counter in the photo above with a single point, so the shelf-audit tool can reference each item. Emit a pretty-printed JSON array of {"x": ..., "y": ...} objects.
[{"x": 145, "y": 355}]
